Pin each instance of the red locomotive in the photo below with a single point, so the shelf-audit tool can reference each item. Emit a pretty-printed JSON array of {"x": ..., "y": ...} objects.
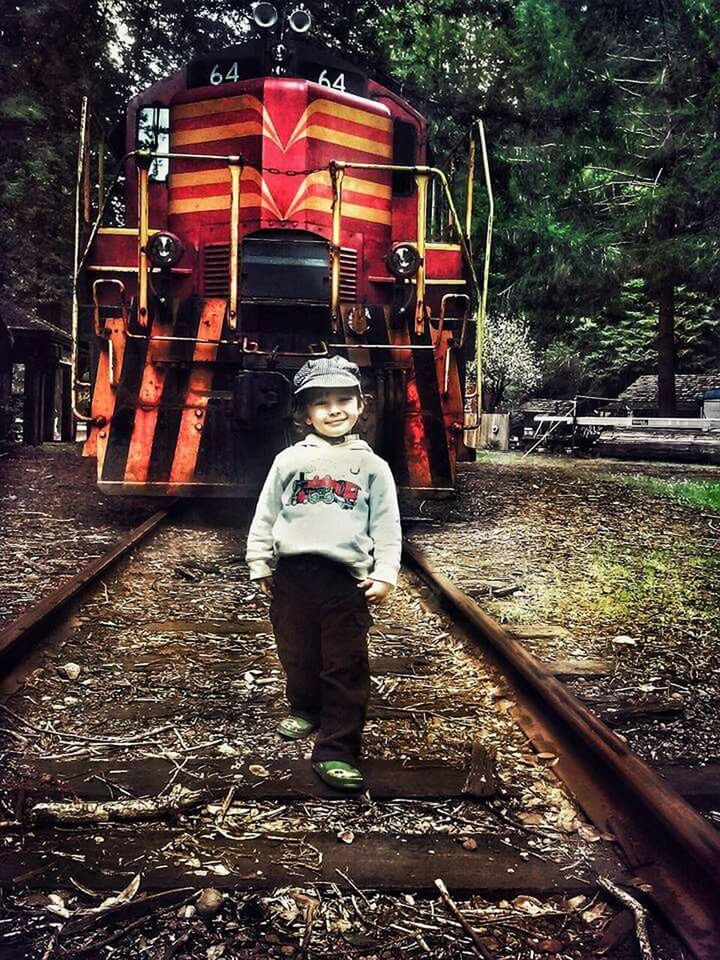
[
  {"x": 325, "y": 490},
  {"x": 276, "y": 207}
]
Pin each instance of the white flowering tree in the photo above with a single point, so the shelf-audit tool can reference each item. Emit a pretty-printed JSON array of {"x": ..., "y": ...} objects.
[{"x": 511, "y": 366}]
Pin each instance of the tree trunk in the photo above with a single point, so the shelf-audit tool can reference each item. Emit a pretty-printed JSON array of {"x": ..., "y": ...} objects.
[{"x": 666, "y": 349}]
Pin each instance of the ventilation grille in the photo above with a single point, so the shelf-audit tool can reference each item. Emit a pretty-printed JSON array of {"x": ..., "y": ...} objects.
[
  {"x": 348, "y": 275},
  {"x": 217, "y": 267},
  {"x": 216, "y": 270}
]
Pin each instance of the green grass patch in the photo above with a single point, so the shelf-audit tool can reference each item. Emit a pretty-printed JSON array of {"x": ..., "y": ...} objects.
[
  {"x": 700, "y": 493},
  {"x": 661, "y": 586}
]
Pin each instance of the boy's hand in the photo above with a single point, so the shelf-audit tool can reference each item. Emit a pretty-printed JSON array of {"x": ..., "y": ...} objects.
[
  {"x": 265, "y": 585},
  {"x": 376, "y": 591}
]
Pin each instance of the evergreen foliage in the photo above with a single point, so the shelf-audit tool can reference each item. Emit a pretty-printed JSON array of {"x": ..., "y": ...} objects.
[{"x": 602, "y": 125}]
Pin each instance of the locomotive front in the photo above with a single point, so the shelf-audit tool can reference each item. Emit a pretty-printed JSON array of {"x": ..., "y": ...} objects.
[{"x": 276, "y": 209}]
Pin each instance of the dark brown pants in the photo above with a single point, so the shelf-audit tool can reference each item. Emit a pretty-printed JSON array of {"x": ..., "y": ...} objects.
[{"x": 321, "y": 623}]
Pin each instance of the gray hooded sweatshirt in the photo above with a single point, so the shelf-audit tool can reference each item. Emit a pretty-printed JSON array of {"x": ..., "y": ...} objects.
[{"x": 334, "y": 499}]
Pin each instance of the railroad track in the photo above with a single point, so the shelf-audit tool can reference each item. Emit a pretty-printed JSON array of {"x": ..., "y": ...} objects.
[{"x": 179, "y": 702}]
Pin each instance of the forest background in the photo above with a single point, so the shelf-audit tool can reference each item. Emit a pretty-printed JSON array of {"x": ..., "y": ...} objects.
[{"x": 602, "y": 126}]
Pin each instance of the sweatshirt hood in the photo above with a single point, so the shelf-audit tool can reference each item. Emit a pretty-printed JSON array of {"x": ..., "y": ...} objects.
[{"x": 350, "y": 442}]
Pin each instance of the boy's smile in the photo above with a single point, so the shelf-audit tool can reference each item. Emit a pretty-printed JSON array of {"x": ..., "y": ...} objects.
[{"x": 334, "y": 413}]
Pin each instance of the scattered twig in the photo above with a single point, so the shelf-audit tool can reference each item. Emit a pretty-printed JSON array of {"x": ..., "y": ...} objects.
[
  {"x": 357, "y": 890},
  {"x": 179, "y": 798},
  {"x": 135, "y": 740},
  {"x": 310, "y": 913},
  {"x": 97, "y": 945},
  {"x": 480, "y": 947},
  {"x": 638, "y": 911},
  {"x": 50, "y": 947},
  {"x": 222, "y": 812}
]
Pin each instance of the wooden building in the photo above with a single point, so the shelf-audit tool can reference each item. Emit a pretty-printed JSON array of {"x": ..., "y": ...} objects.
[
  {"x": 35, "y": 387},
  {"x": 642, "y": 395}
]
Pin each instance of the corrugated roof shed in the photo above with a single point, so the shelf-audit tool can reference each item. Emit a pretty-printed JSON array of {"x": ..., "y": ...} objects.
[
  {"x": 25, "y": 318},
  {"x": 689, "y": 388},
  {"x": 545, "y": 405}
]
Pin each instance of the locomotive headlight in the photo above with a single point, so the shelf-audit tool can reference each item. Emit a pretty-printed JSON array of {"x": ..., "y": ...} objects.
[
  {"x": 165, "y": 249},
  {"x": 300, "y": 20},
  {"x": 403, "y": 261},
  {"x": 265, "y": 15}
]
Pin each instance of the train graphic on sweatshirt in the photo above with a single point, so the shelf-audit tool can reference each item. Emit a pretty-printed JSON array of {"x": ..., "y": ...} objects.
[{"x": 324, "y": 490}]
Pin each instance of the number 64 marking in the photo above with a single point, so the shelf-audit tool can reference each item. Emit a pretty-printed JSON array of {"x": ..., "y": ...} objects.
[
  {"x": 337, "y": 84},
  {"x": 216, "y": 75}
]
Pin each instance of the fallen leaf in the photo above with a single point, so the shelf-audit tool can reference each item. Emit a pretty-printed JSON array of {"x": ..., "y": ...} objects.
[
  {"x": 127, "y": 894},
  {"x": 588, "y": 832},
  {"x": 623, "y": 640},
  {"x": 209, "y": 902},
  {"x": 258, "y": 771},
  {"x": 532, "y": 819},
  {"x": 530, "y": 905},
  {"x": 70, "y": 670},
  {"x": 574, "y": 903},
  {"x": 57, "y": 905},
  {"x": 595, "y": 913},
  {"x": 550, "y": 946}
]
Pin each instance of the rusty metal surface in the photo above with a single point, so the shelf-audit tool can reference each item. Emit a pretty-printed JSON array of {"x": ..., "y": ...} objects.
[
  {"x": 40, "y": 615},
  {"x": 669, "y": 846}
]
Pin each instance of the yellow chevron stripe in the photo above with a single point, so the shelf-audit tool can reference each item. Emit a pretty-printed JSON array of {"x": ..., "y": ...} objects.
[
  {"x": 352, "y": 211},
  {"x": 217, "y": 202},
  {"x": 348, "y": 140},
  {"x": 201, "y": 176},
  {"x": 221, "y": 176},
  {"x": 228, "y": 131},
  {"x": 369, "y": 187},
  {"x": 331, "y": 109},
  {"x": 203, "y": 108},
  {"x": 356, "y": 184},
  {"x": 353, "y": 114}
]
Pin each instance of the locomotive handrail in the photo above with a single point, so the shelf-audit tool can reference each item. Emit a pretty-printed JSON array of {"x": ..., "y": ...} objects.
[
  {"x": 235, "y": 162},
  {"x": 284, "y": 353},
  {"x": 224, "y": 342},
  {"x": 384, "y": 346},
  {"x": 423, "y": 171}
]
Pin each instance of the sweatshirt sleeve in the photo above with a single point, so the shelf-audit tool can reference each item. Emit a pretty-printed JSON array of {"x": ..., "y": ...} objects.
[
  {"x": 384, "y": 526},
  {"x": 260, "y": 540}
]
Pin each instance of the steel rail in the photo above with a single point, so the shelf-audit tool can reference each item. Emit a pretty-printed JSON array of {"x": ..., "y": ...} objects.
[
  {"x": 684, "y": 849},
  {"x": 41, "y": 614}
]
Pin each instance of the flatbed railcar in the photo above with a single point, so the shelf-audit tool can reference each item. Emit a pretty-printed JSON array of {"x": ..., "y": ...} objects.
[{"x": 276, "y": 207}]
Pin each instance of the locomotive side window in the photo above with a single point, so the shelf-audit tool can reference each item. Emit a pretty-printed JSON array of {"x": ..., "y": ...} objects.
[
  {"x": 404, "y": 152},
  {"x": 153, "y": 133}
]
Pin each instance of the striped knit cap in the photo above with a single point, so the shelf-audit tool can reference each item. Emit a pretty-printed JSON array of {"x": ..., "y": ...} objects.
[{"x": 327, "y": 373}]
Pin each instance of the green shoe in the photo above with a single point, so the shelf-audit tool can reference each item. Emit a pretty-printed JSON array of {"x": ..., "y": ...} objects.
[
  {"x": 340, "y": 775},
  {"x": 295, "y": 728}
]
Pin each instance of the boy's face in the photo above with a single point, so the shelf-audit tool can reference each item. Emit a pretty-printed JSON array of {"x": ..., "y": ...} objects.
[{"x": 334, "y": 413}]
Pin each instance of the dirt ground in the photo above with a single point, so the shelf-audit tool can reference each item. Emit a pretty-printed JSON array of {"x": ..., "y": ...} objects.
[
  {"x": 53, "y": 520},
  {"x": 629, "y": 575}
]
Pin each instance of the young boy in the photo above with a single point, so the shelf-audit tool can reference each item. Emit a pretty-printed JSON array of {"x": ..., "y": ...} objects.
[{"x": 329, "y": 512}]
